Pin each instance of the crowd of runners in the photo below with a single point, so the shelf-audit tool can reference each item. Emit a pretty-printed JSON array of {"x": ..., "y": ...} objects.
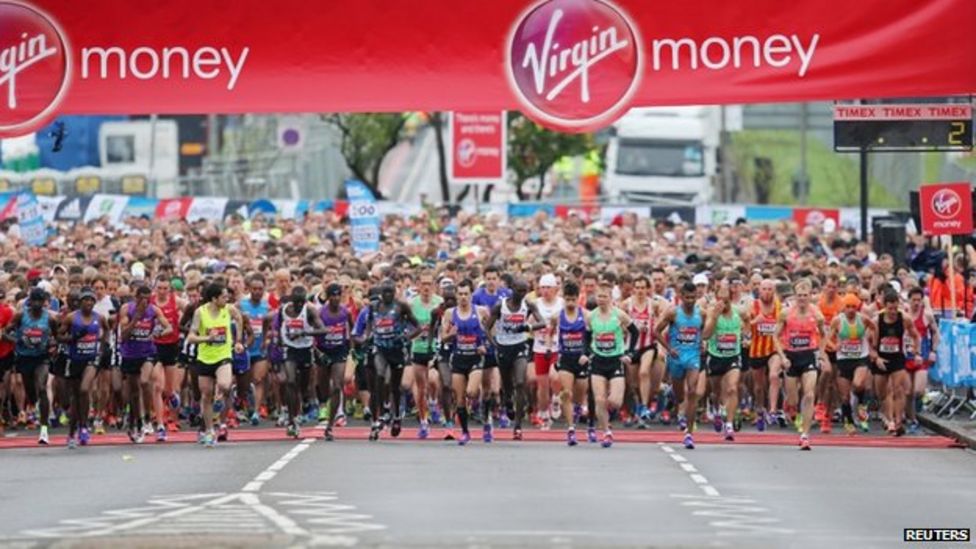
[{"x": 534, "y": 323}]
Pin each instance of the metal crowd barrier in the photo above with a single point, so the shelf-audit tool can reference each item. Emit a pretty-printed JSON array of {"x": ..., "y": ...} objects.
[{"x": 955, "y": 370}]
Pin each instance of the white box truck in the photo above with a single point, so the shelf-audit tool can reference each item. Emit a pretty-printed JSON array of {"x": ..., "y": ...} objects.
[{"x": 666, "y": 155}]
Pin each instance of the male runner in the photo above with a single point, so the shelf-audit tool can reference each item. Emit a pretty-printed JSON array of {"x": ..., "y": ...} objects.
[
  {"x": 800, "y": 340},
  {"x": 334, "y": 348},
  {"x": 167, "y": 373},
  {"x": 854, "y": 334},
  {"x": 573, "y": 364},
  {"x": 646, "y": 370},
  {"x": 608, "y": 324},
  {"x": 422, "y": 350},
  {"x": 512, "y": 317},
  {"x": 763, "y": 360},
  {"x": 298, "y": 323},
  {"x": 545, "y": 347},
  {"x": 723, "y": 332},
  {"x": 31, "y": 331},
  {"x": 84, "y": 331},
  {"x": 918, "y": 370},
  {"x": 683, "y": 345},
  {"x": 257, "y": 313},
  {"x": 463, "y": 328},
  {"x": 139, "y": 323},
  {"x": 487, "y": 296},
  {"x": 889, "y": 360},
  {"x": 386, "y": 323},
  {"x": 216, "y": 342},
  {"x": 830, "y": 305}
]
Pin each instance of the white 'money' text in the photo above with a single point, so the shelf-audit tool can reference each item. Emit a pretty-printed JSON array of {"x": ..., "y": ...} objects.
[
  {"x": 144, "y": 63},
  {"x": 717, "y": 53}
]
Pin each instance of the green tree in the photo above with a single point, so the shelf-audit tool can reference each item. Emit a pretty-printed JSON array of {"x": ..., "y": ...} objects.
[
  {"x": 366, "y": 140},
  {"x": 532, "y": 150}
]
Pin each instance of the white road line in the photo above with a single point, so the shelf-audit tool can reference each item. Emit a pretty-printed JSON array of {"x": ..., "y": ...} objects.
[
  {"x": 286, "y": 525},
  {"x": 693, "y": 473},
  {"x": 710, "y": 491},
  {"x": 252, "y": 487},
  {"x": 272, "y": 470}
]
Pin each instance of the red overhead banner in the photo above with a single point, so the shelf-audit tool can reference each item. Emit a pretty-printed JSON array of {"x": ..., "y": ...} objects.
[
  {"x": 573, "y": 64},
  {"x": 478, "y": 147},
  {"x": 946, "y": 208}
]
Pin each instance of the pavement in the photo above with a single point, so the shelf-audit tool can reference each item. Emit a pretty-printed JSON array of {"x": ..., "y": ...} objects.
[{"x": 307, "y": 493}]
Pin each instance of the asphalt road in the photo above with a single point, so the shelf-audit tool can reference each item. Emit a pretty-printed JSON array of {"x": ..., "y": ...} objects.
[{"x": 405, "y": 493}]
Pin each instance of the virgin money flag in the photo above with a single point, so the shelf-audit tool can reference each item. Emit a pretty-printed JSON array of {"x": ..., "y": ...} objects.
[
  {"x": 173, "y": 208},
  {"x": 573, "y": 64},
  {"x": 946, "y": 208},
  {"x": 478, "y": 147},
  {"x": 363, "y": 218}
]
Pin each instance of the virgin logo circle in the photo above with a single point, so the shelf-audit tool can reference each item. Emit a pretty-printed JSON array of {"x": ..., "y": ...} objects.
[
  {"x": 467, "y": 153},
  {"x": 946, "y": 204},
  {"x": 574, "y": 64},
  {"x": 35, "y": 68}
]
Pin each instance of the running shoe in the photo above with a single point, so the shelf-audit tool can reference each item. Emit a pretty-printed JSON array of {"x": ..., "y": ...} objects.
[
  {"x": 913, "y": 427},
  {"x": 689, "y": 442},
  {"x": 296, "y": 431},
  {"x": 84, "y": 436},
  {"x": 665, "y": 417},
  {"x": 340, "y": 420},
  {"x": 140, "y": 437},
  {"x": 367, "y": 415},
  {"x": 374, "y": 431},
  {"x": 174, "y": 401},
  {"x": 536, "y": 420},
  {"x": 798, "y": 422},
  {"x": 218, "y": 406},
  {"x": 826, "y": 426},
  {"x": 517, "y": 434},
  {"x": 465, "y": 438},
  {"x": 222, "y": 433},
  {"x": 504, "y": 422},
  {"x": 487, "y": 435},
  {"x": 899, "y": 431},
  {"x": 761, "y": 422},
  {"x": 780, "y": 419},
  {"x": 682, "y": 423},
  {"x": 577, "y": 413},
  {"x": 556, "y": 408},
  {"x": 424, "y": 431},
  {"x": 642, "y": 412},
  {"x": 209, "y": 441},
  {"x": 282, "y": 420},
  {"x": 607, "y": 440},
  {"x": 435, "y": 415},
  {"x": 862, "y": 413},
  {"x": 201, "y": 437},
  {"x": 161, "y": 434},
  {"x": 546, "y": 424},
  {"x": 72, "y": 443},
  {"x": 255, "y": 419},
  {"x": 329, "y": 437},
  {"x": 324, "y": 413},
  {"x": 591, "y": 435},
  {"x": 652, "y": 411},
  {"x": 717, "y": 423},
  {"x": 263, "y": 411},
  {"x": 804, "y": 442},
  {"x": 63, "y": 419},
  {"x": 849, "y": 427},
  {"x": 729, "y": 432},
  {"x": 571, "y": 437},
  {"x": 395, "y": 428},
  {"x": 42, "y": 438},
  {"x": 147, "y": 430},
  {"x": 819, "y": 412},
  {"x": 99, "y": 427},
  {"x": 21, "y": 419},
  {"x": 233, "y": 422}
]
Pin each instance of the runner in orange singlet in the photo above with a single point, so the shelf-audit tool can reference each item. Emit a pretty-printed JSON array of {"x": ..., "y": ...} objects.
[
  {"x": 763, "y": 361},
  {"x": 830, "y": 305}
]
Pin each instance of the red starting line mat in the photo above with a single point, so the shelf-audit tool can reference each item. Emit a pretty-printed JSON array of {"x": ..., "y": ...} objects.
[{"x": 28, "y": 439}]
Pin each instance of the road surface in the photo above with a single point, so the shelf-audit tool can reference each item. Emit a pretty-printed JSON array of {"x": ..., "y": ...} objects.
[{"x": 408, "y": 493}]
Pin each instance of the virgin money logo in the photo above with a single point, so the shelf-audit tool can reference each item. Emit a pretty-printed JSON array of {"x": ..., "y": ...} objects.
[
  {"x": 35, "y": 68},
  {"x": 574, "y": 64},
  {"x": 946, "y": 204},
  {"x": 467, "y": 153}
]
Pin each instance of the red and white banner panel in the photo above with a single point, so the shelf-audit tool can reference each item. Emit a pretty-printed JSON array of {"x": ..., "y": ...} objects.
[
  {"x": 946, "y": 208},
  {"x": 478, "y": 147},
  {"x": 572, "y": 64}
]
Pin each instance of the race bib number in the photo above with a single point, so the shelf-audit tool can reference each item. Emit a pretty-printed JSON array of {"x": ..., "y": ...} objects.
[
  {"x": 606, "y": 342},
  {"x": 727, "y": 342},
  {"x": 218, "y": 335},
  {"x": 890, "y": 345},
  {"x": 766, "y": 328}
]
